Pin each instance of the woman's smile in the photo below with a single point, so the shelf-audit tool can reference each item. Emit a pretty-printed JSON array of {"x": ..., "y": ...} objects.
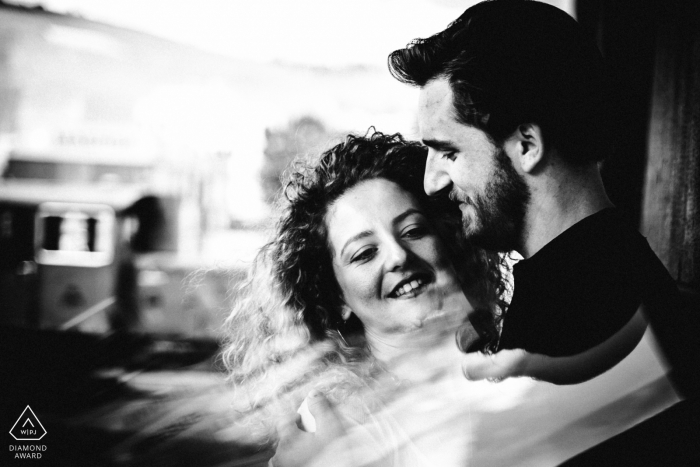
[{"x": 412, "y": 286}]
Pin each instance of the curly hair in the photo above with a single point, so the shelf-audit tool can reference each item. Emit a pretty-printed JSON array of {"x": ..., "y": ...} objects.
[
  {"x": 511, "y": 62},
  {"x": 283, "y": 333}
]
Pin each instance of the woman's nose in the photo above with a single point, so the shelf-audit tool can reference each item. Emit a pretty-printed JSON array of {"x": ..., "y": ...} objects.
[
  {"x": 397, "y": 255},
  {"x": 436, "y": 178}
]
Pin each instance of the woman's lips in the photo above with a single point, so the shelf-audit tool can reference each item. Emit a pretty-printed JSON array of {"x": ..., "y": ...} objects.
[
  {"x": 412, "y": 287},
  {"x": 413, "y": 292}
]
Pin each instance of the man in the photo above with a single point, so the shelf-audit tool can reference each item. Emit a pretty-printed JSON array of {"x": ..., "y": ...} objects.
[
  {"x": 514, "y": 112},
  {"x": 513, "y": 109}
]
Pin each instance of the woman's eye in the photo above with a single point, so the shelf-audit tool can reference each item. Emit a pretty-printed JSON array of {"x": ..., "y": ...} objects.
[
  {"x": 363, "y": 255},
  {"x": 415, "y": 231}
]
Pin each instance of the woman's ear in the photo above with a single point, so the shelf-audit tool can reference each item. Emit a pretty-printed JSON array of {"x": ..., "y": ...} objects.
[{"x": 526, "y": 148}]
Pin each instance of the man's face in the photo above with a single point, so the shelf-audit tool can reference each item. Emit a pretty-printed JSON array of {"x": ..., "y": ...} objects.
[{"x": 478, "y": 174}]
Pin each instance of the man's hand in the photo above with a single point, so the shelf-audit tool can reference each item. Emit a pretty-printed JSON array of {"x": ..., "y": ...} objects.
[
  {"x": 572, "y": 369},
  {"x": 299, "y": 448},
  {"x": 498, "y": 366}
]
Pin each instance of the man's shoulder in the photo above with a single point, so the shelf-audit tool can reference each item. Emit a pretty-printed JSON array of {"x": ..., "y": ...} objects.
[
  {"x": 603, "y": 245},
  {"x": 608, "y": 221},
  {"x": 606, "y": 231}
]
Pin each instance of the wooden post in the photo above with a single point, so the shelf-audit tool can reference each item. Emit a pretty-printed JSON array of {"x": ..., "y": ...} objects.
[{"x": 671, "y": 205}]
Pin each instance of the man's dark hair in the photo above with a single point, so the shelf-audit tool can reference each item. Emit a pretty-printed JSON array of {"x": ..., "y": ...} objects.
[{"x": 511, "y": 62}]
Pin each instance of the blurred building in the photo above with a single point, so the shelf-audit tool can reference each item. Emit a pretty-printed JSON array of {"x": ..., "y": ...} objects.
[{"x": 103, "y": 161}]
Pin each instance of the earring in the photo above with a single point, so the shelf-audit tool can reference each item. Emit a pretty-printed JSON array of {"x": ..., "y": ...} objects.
[{"x": 341, "y": 334}]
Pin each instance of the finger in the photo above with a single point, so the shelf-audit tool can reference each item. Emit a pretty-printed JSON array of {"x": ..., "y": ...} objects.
[
  {"x": 307, "y": 421},
  {"x": 466, "y": 337},
  {"x": 327, "y": 420},
  {"x": 477, "y": 366}
]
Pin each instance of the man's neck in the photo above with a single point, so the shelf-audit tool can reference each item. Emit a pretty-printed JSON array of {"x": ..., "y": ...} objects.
[{"x": 560, "y": 201}]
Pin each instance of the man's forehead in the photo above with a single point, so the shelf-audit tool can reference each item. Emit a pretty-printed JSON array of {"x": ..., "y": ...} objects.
[
  {"x": 436, "y": 94},
  {"x": 435, "y": 109}
]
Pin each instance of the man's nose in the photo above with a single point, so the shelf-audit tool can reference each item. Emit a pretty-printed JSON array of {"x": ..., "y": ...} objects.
[{"x": 436, "y": 179}]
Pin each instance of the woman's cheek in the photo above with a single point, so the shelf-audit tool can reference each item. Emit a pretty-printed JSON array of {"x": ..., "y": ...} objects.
[
  {"x": 437, "y": 254},
  {"x": 366, "y": 285}
]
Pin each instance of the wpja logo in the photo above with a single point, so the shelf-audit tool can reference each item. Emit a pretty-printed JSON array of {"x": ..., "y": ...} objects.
[{"x": 28, "y": 428}]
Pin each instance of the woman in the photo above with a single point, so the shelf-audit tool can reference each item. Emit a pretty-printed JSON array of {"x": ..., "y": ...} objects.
[{"x": 366, "y": 281}]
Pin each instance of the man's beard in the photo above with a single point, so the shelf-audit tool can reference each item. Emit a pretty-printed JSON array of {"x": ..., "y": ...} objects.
[{"x": 500, "y": 211}]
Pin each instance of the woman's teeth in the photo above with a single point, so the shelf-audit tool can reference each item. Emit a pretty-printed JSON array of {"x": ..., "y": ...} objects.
[{"x": 408, "y": 287}]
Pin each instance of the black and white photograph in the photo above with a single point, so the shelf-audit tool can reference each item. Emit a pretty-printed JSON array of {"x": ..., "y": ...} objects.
[{"x": 369, "y": 233}]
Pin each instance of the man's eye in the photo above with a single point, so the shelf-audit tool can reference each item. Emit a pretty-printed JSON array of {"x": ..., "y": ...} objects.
[
  {"x": 363, "y": 255},
  {"x": 449, "y": 155}
]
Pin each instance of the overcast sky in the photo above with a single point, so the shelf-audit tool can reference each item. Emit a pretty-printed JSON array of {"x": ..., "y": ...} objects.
[{"x": 317, "y": 32}]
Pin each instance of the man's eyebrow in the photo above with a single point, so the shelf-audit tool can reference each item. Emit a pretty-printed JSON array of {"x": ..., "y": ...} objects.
[
  {"x": 363, "y": 234},
  {"x": 438, "y": 145}
]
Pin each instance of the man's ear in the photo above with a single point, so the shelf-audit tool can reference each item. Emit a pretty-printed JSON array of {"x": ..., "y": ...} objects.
[{"x": 527, "y": 147}]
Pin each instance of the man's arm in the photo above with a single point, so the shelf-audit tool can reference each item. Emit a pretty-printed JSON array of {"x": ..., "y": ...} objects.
[{"x": 558, "y": 370}]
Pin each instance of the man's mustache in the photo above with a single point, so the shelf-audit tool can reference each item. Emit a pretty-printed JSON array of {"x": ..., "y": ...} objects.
[{"x": 459, "y": 198}]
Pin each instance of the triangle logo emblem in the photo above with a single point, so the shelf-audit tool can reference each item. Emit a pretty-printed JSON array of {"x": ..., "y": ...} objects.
[{"x": 28, "y": 427}]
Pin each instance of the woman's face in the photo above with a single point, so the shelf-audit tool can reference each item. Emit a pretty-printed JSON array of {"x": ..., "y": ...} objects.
[{"x": 390, "y": 264}]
